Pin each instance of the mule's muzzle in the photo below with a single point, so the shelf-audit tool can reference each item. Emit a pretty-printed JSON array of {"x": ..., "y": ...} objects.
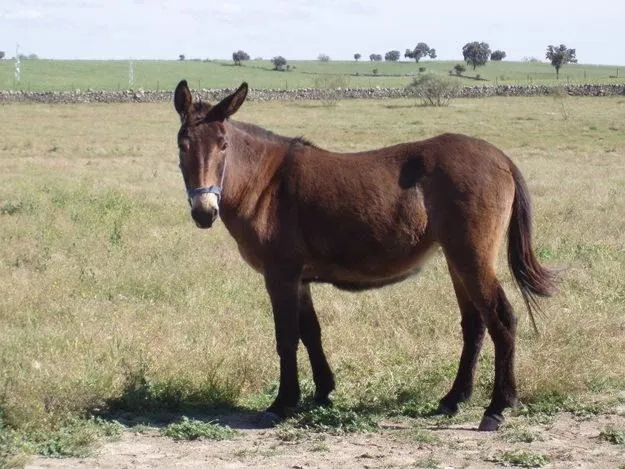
[{"x": 204, "y": 218}]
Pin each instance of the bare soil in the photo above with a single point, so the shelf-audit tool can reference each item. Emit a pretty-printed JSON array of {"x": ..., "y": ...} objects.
[{"x": 565, "y": 441}]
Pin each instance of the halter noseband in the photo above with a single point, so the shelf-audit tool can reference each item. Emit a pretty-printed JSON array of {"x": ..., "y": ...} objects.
[{"x": 205, "y": 190}]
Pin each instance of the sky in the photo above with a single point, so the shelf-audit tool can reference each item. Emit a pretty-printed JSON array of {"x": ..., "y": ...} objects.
[{"x": 298, "y": 29}]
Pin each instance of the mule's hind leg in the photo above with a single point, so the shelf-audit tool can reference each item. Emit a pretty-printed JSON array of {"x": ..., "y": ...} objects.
[
  {"x": 310, "y": 333},
  {"x": 490, "y": 300},
  {"x": 473, "y": 329}
]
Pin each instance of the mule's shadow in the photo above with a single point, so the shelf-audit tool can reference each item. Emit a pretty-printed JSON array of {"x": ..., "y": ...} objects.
[{"x": 132, "y": 410}]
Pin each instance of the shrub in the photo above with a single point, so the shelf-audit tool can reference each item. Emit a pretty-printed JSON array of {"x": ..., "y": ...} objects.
[
  {"x": 434, "y": 90},
  {"x": 332, "y": 84}
]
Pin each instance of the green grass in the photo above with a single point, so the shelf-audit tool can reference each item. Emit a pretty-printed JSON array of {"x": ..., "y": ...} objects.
[
  {"x": 333, "y": 420},
  {"x": 111, "y": 299},
  {"x": 190, "y": 429},
  {"x": 74, "y": 438},
  {"x": 615, "y": 436},
  {"x": 521, "y": 459},
  {"x": 45, "y": 75}
]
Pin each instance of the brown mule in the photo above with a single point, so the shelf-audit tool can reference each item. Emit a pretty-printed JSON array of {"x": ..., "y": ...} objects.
[{"x": 300, "y": 214}]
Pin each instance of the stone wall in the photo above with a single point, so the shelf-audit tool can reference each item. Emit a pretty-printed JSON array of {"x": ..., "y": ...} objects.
[{"x": 129, "y": 96}]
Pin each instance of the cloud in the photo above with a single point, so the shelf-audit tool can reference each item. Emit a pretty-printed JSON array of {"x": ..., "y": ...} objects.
[{"x": 22, "y": 14}]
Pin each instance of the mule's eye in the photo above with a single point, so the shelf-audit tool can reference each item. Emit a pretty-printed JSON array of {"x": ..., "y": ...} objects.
[
  {"x": 223, "y": 144},
  {"x": 184, "y": 146}
]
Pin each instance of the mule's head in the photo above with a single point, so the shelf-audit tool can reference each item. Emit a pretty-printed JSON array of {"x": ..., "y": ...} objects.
[{"x": 203, "y": 145}]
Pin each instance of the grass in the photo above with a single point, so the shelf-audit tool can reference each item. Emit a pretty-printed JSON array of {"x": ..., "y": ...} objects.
[
  {"x": 190, "y": 429},
  {"x": 110, "y": 298},
  {"x": 74, "y": 438},
  {"x": 521, "y": 459},
  {"x": 615, "y": 436},
  {"x": 45, "y": 75},
  {"x": 333, "y": 420}
]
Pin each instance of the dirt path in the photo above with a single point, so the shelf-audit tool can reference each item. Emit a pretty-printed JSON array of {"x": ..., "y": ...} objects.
[{"x": 563, "y": 442}]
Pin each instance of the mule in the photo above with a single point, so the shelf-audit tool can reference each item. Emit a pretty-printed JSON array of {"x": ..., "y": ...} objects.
[{"x": 301, "y": 214}]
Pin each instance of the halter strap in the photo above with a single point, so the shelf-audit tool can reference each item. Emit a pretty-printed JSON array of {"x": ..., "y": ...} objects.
[{"x": 205, "y": 190}]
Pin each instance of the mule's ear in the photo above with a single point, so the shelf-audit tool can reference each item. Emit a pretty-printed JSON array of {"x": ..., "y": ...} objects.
[
  {"x": 182, "y": 99},
  {"x": 230, "y": 104}
]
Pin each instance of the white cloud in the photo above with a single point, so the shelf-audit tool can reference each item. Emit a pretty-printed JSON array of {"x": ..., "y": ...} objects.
[{"x": 20, "y": 14}]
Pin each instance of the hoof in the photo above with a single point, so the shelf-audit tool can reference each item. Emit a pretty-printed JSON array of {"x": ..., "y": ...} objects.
[
  {"x": 444, "y": 409},
  {"x": 269, "y": 419},
  {"x": 323, "y": 401},
  {"x": 491, "y": 423}
]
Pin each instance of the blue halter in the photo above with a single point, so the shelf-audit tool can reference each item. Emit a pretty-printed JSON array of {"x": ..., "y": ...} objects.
[{"x": 205, "y": 190}]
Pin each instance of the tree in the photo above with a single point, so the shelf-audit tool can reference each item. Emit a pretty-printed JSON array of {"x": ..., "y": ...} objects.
[
  {"x": 559, "y": 56},
  {"x": 375, "y": 57},
  {"x": 392, "y": 56},
  {"x": 357, "y": 56},
  {"x": 498, "y": 55},
  {"x": 181, "y": 57},
  {"x": 2, "y": 54},
  {"x": 421, "y": 50},
  {"x": 278, "y": 63},
  {"x": 323, "y": 58},
  {"x": 239, "y": 56},
  {"x": 476, "y": 53}
]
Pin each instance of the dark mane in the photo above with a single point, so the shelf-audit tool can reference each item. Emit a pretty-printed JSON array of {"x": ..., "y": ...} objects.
[
  {"x": 304, "y": 142},
  {"x": 260, "y": 132}
]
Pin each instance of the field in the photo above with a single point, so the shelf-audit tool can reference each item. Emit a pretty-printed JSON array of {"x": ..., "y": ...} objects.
[
  {"x": 59, "y": 75},
  {"x": 114, "y": 307}
]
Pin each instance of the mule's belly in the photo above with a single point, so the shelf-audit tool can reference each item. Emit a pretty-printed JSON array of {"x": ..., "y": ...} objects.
[{"x": 369, "y": 271}]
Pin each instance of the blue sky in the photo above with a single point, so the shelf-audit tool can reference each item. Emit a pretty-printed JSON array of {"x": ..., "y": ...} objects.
[{"x": 297, "y": 29}]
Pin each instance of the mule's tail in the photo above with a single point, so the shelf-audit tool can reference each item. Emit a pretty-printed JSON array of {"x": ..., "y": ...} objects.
[{"x": 532, "y": 278}]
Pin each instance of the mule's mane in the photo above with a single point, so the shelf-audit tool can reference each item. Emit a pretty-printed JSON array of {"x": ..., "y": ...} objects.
[
  {"x": 201, "y": 110},
  {"x": 260, "y": 132}
]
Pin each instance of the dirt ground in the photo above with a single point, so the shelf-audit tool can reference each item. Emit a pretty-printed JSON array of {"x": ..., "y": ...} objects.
[{"x": 565, "y": 441}]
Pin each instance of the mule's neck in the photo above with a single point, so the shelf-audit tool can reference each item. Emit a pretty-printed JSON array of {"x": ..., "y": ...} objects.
[{"x": 252, "y": 161}]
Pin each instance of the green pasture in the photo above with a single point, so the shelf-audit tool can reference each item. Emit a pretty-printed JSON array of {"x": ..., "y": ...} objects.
[
  {"x": 112, "y": 302},
  {"x": 65, "y": 75}
]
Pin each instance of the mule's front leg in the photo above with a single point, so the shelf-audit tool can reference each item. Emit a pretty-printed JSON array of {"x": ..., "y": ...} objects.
[
  {"x": 311, "y": 337},
  {"x": 284, "y": 294}
]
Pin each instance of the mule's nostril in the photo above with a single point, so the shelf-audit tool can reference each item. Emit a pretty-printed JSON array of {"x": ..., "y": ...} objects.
[{"x": 203, "y": 219}]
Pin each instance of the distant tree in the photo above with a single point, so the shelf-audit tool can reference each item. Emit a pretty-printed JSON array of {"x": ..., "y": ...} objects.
[
  {"x": 357, "y": 56},
  {"x": 2, "y": 54},
  {"x": 239, "y": 56},
  {"x": 421, "y": 50},
  {"x": 476, "y": 53},
  {"x": 497, "y": 55},
  {"x": 375, "y": 57},
  {"x": 559, "y": 56},
  {"x": 33, "y": 56},
  {"x": 278, "y": 63},
  {"x": 323, "y": 58},
  {"x": 392, "y": 56},
  {"x": 459, "y": 69},
  {"x": 181, "y": 57}
]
